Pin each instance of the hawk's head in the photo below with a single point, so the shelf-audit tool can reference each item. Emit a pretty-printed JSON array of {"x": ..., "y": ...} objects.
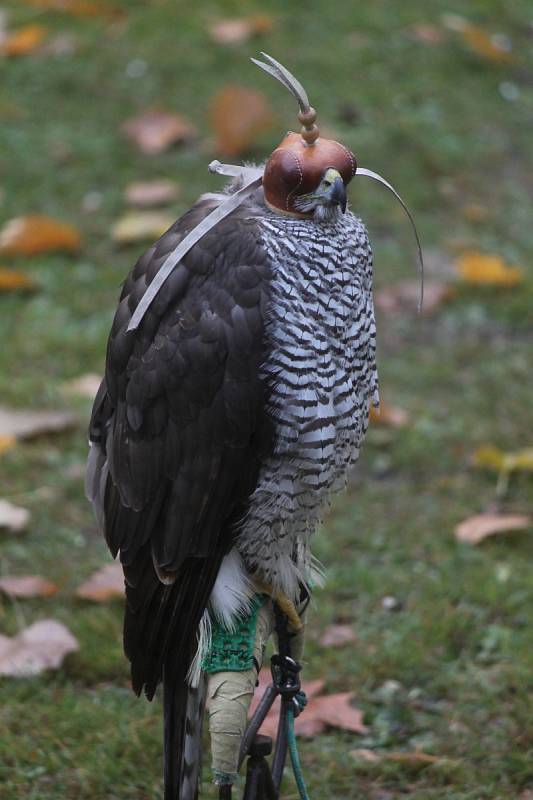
[{"x": 328, "y": 200}]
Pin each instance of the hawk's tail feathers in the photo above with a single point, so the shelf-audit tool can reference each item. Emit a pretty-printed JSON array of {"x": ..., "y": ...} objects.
[{"x": 183, "y": 716}]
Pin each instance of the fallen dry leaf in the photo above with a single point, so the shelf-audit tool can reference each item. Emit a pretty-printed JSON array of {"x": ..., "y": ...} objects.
[
  {"x": 336, "y": 711},
  {"x": 27, "y": 586},
  {"x": 475, "y": 212},
  {"x": 495, "y": 48},
  {"x": 475, "y": 529},
  {"x": 337, "y": 636},
  {"x": 393, "y": 416},
  {"x": 240, "y": 29},
  {"x": 23, "y": 41},
  {"x": 12, "y": 281},
  {"x": 26, "y": 236},
  {"x": 79, "y": 8},
  {"x": 106, "y": 583},
  {"x": 7, "y": 443},
  {"x": 155, "y": 130},
  {"x": 42, "y": 646},
  {"x": 404, "y": 296},
  {"x": 238, "y": 116},
  {"x": 141, "y": 226},
  {"x": 151, "y": 193},
  {"x": 321, "y": 711},
  {"x": 426, "y": 33},
  {"x": 13, "y": 518},
  {"x": 84, "y": 386},
  {"x": 363, "y": 754},
  {"x": 490, "y": 457},
  {"x": 478, "y": 268},
  {"x": 28, "y": 424}
]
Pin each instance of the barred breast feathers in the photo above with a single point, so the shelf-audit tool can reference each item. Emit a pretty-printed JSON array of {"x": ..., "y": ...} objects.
[{"x": 322, "y": 378}]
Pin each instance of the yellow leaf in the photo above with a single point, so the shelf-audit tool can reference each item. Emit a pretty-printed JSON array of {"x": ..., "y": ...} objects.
[
  {"x": 480, "y": 269},
  {"x": 11, "y": 280},
  {"x": 490, "y": 48},
  {"x": 23, "y": 41},
  {"x": 36, "y": 233},
  {"x": 7, "y": 443},
  {"x": 488, "y": 457},
  {"x": 491, "y": 457},
  {"x": 141, "y": 226}
]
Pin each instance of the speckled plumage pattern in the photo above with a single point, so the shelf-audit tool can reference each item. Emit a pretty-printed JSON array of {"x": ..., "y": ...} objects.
[{"x": 322, "y": 377}]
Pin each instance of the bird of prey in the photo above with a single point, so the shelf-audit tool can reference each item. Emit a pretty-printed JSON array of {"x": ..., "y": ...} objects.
[{"x": 232, "y": 408}]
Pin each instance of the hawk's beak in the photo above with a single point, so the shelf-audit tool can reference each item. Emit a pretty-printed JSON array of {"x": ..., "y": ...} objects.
[{"x": 338, "y": 194}]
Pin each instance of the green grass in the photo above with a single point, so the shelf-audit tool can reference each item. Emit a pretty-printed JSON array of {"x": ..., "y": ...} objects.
[{"x": 449, "y": 672}]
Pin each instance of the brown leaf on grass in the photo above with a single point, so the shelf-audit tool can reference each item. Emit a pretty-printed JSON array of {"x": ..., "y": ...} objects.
[
  {"x": 393, "y": 416},
  {"x": 156, "y": 130},
  {"x": 79, "y": 8},
  {"x": 404, "y": 297},
  {"x": 481, "y": 269},
  {"x": 29, "y": 424},
  {"x": 426, "y": 33},
  {"x": 35, "y": 233},
  {"x": 240, "y": 29},
  {"x": 477, "y": 528},
  {"x": 23, "y": 41},
  {"x": 84, "y": 386},
  {"x": 336, "y": 711},
  {"x": 141, "y": 226},
  {"x": 337, "y": 636},
  {"x": 238, "y": 116},
  {"x": 476, "y": 212},
  {"x": 13, "y": 281},
  {"x": 42, "y": 646},
  {"x": 13, "y": 518},
  {"x": 105, "y": 584},
  {"x": 363, "y": 754},
  {"x": 320, "y": 712},
  {"x": 495, "y": 48},
  {"x": 415, "y": 760},
  {"x": 27, "y": 586},
  {"x": 151, "y": 193}
]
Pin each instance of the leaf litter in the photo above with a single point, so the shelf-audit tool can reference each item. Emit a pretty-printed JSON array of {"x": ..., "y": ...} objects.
[
  {"x": 240, "y": 29},
  {"x": 13, "y": 518},
  {"x": 27, "y": 424},
  {"x": 238, "y": 116},
  {"x": 39, "y": 647},
  {"x": 151, "y": 193},
  {"x": 155, "y": 130},
  {"x": 477, "y": 528},
  {"x": 141, "y": 226},
  {"x": 27, "y": 586},
  {"x": 36, "y": 233},
  {"x": 321, "y": 711},
  {"x": 105, "y": 584}
]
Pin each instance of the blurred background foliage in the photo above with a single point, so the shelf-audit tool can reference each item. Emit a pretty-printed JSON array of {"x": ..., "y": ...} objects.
[{"x": 437, "y": 96}]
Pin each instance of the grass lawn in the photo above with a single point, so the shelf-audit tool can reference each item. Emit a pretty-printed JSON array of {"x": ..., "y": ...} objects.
[{"x": 450, "y": 670}]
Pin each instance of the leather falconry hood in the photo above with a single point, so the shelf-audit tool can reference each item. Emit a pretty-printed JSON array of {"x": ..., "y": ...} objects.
[{"x": 297, "y": 165}]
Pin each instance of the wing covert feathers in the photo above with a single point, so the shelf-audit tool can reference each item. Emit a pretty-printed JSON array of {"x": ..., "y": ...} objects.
[{"x": 179, "y": 430}]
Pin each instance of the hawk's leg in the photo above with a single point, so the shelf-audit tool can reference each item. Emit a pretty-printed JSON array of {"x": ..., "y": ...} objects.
[{"x": 230, "y": 690}]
